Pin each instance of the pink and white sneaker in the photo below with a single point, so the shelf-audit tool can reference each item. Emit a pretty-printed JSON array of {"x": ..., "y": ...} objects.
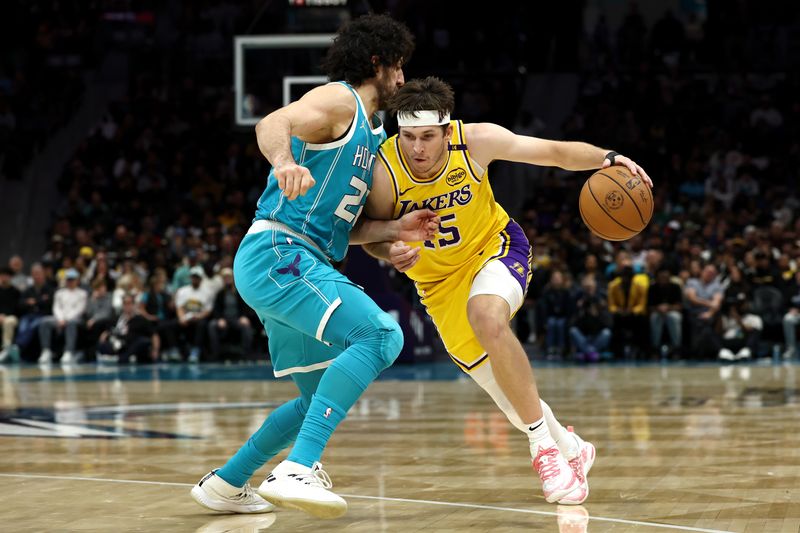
[
  {"x": 580, "y": 465},
  {"x": 558, "y": 479}
]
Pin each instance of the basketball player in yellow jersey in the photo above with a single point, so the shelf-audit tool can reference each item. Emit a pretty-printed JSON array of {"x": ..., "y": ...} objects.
[{"x": 473, "y": 276}]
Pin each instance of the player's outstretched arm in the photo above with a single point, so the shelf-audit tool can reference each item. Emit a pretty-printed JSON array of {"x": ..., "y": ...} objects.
[
  {"x": 421, "y": 225},
  {"x": 316, "y": 117},
  {"x": 489, "y": 142}
]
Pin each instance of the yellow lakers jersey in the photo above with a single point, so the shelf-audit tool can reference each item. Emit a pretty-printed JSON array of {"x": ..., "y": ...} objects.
[{"x": 462, "y": 197}]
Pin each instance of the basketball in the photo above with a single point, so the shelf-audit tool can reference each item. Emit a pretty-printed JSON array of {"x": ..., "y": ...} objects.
[{"x": 614, "y": 204}]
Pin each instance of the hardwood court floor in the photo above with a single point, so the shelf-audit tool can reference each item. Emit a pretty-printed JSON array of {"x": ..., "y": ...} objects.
[{"x": 680, "y": 448}]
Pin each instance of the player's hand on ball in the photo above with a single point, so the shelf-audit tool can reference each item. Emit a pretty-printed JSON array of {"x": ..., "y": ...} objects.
[
  {"x": 294, "y": 180},
  {"x": 419, "y": 225},
  {"x": 402, "y": 256},
  {"x": 631, "y": 165}
]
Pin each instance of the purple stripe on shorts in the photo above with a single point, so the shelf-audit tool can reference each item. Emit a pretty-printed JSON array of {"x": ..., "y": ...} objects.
[{"x": 519, "y": 256}]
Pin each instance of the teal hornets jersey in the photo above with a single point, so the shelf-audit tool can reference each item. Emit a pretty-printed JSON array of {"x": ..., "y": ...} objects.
[{"x": 342, "y": 170}]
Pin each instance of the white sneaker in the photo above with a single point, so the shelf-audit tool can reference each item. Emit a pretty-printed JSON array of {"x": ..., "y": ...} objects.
[
  {"x": 580, "y": 464},
  {"x": 216, "y": 494},
  {"x": 744, "y": 353},
  {"x": 557, "y": 476},
  {"x": 4, "y": 354},
  {"x": 67, "y": 358},
  {"x": 789, "y": 353},
  {"x": 300, "y": 487},
  {"x": 726, "y": 355},
  {"x": 46, "y": 357}
]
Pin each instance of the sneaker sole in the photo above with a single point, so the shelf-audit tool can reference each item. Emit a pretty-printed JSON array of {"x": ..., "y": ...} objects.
[
  {"x": 325, "y": 510},
  {"x": 200, "y": 496}
]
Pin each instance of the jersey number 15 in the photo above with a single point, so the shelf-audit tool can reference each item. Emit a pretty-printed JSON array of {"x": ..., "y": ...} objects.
[{"x": 450, "y": 231}]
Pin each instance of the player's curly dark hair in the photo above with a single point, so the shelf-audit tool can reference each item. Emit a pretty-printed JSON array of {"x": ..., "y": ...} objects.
[
  {"x": 429, "y": 93},
  {"x": 350, "y": 56}
]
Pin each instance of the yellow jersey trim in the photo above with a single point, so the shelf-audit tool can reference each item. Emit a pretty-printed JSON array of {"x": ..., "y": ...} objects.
[
  {"x": 392, "y": 177},
  {"x": 462, "y": 139}
]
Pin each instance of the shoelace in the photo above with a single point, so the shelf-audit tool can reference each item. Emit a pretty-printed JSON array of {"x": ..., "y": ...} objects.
[
  {"x": 577, "y": 466},
  {"x": 317, "y": 476},
  {"x": 546, "y": 463},
  {"x": 247, "y": 493},
  {"x": 322, "y": 476}
]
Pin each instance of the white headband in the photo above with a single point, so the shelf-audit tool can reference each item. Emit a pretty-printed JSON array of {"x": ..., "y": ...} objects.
[{"x": 422, "y": 118}]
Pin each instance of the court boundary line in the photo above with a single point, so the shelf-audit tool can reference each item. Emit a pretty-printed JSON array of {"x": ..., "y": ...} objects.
[{"x": 390, "y": 499}]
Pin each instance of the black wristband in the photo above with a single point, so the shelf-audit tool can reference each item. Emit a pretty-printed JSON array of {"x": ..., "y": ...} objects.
[{"x": 612, "y": 156}]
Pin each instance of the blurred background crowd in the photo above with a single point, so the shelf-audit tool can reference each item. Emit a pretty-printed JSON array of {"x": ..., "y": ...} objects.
[{"x": 149, "y": 207}]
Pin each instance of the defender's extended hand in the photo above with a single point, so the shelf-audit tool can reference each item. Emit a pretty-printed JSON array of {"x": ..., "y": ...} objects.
[{"x": 420, "y": 225}]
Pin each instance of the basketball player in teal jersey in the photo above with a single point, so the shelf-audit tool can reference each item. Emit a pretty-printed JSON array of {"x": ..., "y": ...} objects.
[{"x": 322, "y": 149}]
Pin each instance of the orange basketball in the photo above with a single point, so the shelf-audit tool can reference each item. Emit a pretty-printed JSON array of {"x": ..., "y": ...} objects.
[{"x": 615, "y": 205}]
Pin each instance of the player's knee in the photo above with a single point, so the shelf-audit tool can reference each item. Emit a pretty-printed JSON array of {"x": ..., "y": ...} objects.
[
  {"x": 389, "y": 337},
  {"x": 485, "y": 323}
]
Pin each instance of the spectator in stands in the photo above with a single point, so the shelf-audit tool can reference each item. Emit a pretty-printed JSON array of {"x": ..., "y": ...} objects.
[
  {"x": 738, "y": 288},
  {"x": 128, "y": 283},
  {"x": 18, "y": 277},
  {"x": 792, "y": 317},
  {"x": 99, "y": 314},
  {"x": 557, "y": 307},
  {"x": 704, "y": 297},
  {"x": 131, "y": 339},
  {"x": 665, "y": 300},
  {"x": 99, "y": 269},
  {"x": 157, "y": 306},
  {"x": 229, "y": 315},
  {"x": 37, "y": 302},
  {"x": 591, "y": 327},
  {"x": 193, "y": 306},
  {"x": 69, "y": 305},
  {"x": 9, "y": 315},
  {"x": 627, "y": 302},
  {"x": 621, "y": 259},
  {"x": 766, "y": 273},
  {"x": 740, "y": 331},
  {"x": 591, "y": 267},
  {"x": 181, "y": 276}
]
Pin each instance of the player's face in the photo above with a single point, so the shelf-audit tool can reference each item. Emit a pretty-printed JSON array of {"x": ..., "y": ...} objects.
[
  {"x": 389, "y": 80},
  {"x": 425, "y": 148}
]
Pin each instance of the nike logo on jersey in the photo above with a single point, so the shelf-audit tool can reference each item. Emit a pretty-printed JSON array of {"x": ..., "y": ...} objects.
[
  {"x": 406, "y": 190},
  {"x": 292, "y": 267}
]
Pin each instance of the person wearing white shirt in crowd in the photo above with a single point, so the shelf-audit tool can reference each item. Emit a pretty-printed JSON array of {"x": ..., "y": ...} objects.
[
  {"x": 193, "y": 306},
  {"x": 69, "y": 305}
]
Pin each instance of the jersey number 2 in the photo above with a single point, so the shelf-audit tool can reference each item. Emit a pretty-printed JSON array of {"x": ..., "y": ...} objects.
[{"x": 352, "y": 199}]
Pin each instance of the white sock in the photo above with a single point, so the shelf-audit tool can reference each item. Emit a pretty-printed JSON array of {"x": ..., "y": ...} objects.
[
  {"x": 564, "y": 439},
  {"x": 539, "y": 436}
]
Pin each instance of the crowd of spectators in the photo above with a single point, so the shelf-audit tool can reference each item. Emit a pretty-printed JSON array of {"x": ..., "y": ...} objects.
[
  {"x": 47, "y": 47},
  {"x": 158, "y": 196}
]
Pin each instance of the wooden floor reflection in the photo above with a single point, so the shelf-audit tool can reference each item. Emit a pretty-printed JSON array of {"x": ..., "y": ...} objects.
[{"x": 703, "y": 448}]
